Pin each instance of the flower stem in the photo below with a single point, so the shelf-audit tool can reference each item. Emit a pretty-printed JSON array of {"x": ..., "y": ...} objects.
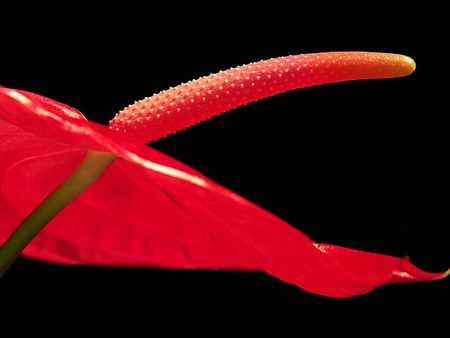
[{"x": 91, "y": 168}]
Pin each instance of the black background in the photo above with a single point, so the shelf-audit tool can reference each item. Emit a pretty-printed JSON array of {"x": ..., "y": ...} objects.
[{"x": 359, "y": 164}]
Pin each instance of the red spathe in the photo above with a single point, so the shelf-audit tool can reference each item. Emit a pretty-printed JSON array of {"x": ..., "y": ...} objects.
[{"x": 150, "y": 210}]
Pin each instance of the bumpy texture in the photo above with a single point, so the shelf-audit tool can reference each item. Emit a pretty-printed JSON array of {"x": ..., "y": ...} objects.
[{"x": 198, "y": 100}]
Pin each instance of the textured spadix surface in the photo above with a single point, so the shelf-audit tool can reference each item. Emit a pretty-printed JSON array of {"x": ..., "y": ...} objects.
[{"x": 189, "y": 103}]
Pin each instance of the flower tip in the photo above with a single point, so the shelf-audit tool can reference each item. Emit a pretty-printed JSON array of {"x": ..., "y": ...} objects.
[
  {"x": 409, "y": 65},
  {"x": 444, "y": 274},
  {"x": 401, "y": 65},
  {"x": 409, "y": 272}
]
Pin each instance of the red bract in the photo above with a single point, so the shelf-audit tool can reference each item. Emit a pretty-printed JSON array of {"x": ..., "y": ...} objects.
[{"x": 149, "y": 210}]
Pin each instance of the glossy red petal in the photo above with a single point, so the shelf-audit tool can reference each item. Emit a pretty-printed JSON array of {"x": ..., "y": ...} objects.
[
  {"x": 34, "y": 165},
  {"x": 151, "y": 210}
]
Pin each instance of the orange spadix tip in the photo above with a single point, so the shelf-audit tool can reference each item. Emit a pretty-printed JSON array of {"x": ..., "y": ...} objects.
[
  {"x": 403, "y": 64},
  {"x": 409, "y": 65}
]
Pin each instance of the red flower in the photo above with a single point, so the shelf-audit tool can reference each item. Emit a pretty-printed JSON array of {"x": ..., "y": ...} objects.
[{"x": 148, "y": 209}]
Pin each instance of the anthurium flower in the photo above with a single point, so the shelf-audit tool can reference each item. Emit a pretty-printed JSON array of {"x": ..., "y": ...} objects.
[{"x": 142, "y": 208}]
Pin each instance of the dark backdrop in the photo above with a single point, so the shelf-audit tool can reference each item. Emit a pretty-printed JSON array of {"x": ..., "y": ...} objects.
[{"x": 358, "y": 164}]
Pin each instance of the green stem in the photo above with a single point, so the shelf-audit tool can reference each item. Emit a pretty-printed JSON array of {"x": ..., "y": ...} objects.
[{"x": 93, "y": 165}]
